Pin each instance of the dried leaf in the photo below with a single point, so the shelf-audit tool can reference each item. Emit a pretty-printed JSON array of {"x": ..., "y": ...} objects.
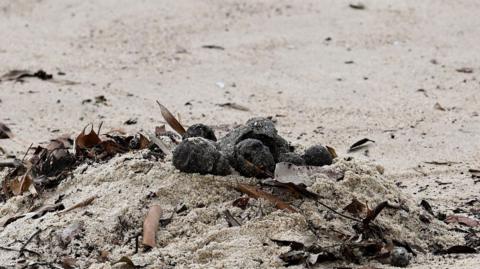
[
  {"x": 356, "y": 207},
  {"x": 427, "y": 207},
  {"x": 45, "y": 209},
  {"x": 241, "y": 202},
  {"x": 332, "y": 152},
  {"x": 159, "y": 143},
  {"x": 290, "y": 173},
  {"x": 5, "y": 132},
  {"x": 470, "y": 222},
  {"x": 234, "y": 106},
  {"x": 86, "y": 141},
  {"x": 360, "y": 143},
  {"x": 144, "y": 142},
  {"x": 150, "y": 225},
  {"x": 18, "y": 187},
  {"x": 257, "y": 193},
  {"x": 171, "y": 120}
]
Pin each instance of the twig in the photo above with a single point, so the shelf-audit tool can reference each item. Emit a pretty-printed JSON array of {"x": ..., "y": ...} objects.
[
  {"x": 26, "y": 152},
  {"x": 81, "y": 204},
  {"x": 374, "y": 213},
  {"x": 22, "y": 249},
  {"x": 232, "y": 222},
  {"x": 25, "y": 250},
  {"x": 336, "y": 212}
]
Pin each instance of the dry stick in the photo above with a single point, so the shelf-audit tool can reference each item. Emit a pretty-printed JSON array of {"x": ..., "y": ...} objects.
[
  {"x": 22, "y": 249},
  {"x": 81, "y": 204},
  {"x": 336, "y": 212},
  {"x": 230, "y": 219},
  {"x": 374, "y": 213},
  {"x": 26, "y": 152}
]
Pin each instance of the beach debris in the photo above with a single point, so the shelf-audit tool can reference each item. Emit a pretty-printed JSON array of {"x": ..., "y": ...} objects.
[
  {"x": 241, "y": 202},
  {"x": 5, "y": 131},
  {"x": 438, "y": 106},
  {"x": 475, "y": 172},
  {"x": 150, "y": 226},
  {"x": 427, "y": 207},
  {"x": 357, "y": 5},
  {"x": 257, "y": 193},
  {"x": 131, "y": 121},
  {"x": 200, "y": 155},
  {"x": 356, "y": 208},
  {"x": 124, "y": 263},
  {"x": 234, "y": 106},
  {"x": 399, "y": 257},
  {"x": 466, "y": 70},
  {"x": 20, "y": 75},
  {"x": 216, "y": 47},
  {"x": 83, "y": 203},
  {"x": 317, "y": 155},
  {"x": 467, "y": 221},
  {"x": 232, "y": 222},
  {"x": 200, "y": 130},
  {"x": 359, "y": 144},
  {"x": 171, "y": 120}
]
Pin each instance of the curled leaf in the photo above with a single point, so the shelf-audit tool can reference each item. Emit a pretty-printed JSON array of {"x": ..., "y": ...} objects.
[
  {"x": 360, "y": 143},
  {"x": 171, "y": 120}
]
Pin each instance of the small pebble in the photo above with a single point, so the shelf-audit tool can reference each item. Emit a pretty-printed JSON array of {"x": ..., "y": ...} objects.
[
  {"x": 399, "y": 257},
  {"x": 317, "y": 155},
  {"x": 201, "y": 130}
]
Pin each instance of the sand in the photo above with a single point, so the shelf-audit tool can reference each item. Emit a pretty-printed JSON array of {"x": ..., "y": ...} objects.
[{"x": 280, "y": 59}]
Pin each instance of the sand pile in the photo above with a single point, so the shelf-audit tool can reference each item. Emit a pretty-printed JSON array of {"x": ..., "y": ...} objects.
[{"x": 194, "y": 231}]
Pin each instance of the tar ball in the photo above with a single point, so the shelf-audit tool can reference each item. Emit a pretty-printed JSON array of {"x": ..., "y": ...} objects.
[
  {"x": 199, "y": 155},
  {"x": 200, "y": 130},
  {"x": 317, "y": 155},
  {"x": 252, "y": 155},
  {"x": 399, "y": 257},
  {"x": 291, "y": 157}
]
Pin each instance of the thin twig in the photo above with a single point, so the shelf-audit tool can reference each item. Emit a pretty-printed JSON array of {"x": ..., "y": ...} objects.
[
  {"x": 336, "y": 212},
  {"x": 22, "y": 249},
  {"x": 26, "y": 152}
]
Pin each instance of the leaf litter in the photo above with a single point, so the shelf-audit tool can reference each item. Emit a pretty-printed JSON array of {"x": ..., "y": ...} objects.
[{"x": 348, "y": 209}]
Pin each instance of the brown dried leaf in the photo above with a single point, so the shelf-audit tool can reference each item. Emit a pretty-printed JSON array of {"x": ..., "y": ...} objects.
[
  {"x": 150, "y": 225},
  {"x": 5, "y": 132},
  {"x": 467, "y": 70},
  {"x": 144, "y": 142},
  {"x": 356, "y": 207},
  {"x": 86, "y": 141},
  {"x": 18, "y": 187},
  {"x": 257, "y": 193},
  {"x": 470, "y": 222},
  {"x": 332, "y": 151},
  {"x": 438, "y": 106},
  {"x": 171, "y": 120}
]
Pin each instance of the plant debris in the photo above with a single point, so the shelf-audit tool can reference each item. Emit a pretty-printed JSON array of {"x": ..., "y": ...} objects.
[
  {"x": 213, "y": 47},
  {"x": 5, "y": 132},
  {"x": 234, "y": 106},
  {"x": 359, "y": 144},
  {"x": 20, "y": 75},
  {"x": 357, "y": 5},
  {"x": 171, "y": 120},
  {"x": 466, "y": 70},
  {"x": 150, "y": 226},
  {"x": 467, "y": 221}
]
